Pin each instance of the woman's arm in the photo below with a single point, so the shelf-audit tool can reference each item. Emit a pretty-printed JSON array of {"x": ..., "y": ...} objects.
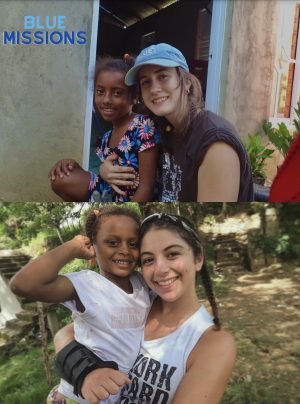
[
  {"x": 209, "y": 367},
  {"x": 116, "y": 175},
  {"x": 99, "y": 383},
  {"x": 39, "y": 279},
  {"x": 219, "y": 174},
  {"x": 148, "y": 160}
]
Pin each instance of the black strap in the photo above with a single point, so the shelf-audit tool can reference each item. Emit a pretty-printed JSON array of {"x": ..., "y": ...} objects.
[{"x": 74, "y": 362}]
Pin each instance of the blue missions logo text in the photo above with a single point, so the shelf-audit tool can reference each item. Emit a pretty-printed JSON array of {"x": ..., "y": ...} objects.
[{"x": 47, "y": 31}]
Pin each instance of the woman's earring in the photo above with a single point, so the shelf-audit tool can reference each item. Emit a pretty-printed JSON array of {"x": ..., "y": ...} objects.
[{"x": 187, "y": 91}]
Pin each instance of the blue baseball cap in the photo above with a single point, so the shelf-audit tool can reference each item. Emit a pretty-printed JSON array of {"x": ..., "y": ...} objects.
[{"x": 161, "y": 54}]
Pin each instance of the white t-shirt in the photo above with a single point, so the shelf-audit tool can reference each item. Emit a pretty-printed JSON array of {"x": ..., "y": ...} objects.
[
  {"x": 112, "y": 323},
  {"x": 161, "y": 364}
]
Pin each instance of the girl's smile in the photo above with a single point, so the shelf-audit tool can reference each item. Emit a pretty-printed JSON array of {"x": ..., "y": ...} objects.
[{"x": 116, "y": 247}]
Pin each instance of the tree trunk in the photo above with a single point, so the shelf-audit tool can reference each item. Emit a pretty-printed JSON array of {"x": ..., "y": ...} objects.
[
  {"x": 59, "y": 235},
  {"x": 43, "y": 331}
]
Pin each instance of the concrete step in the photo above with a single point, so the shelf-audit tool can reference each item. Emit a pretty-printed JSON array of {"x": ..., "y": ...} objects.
[
  {"x": 29, "y": 305},
  {"x": 25, "y": 300},
  {"x": 17, "y": 324},
  {"x": 229, "y": 247},
  {"x": 8, "y": 334},
  {"x": 222, "y": 238},
  {"x": 229, "y": 263},
  {"x": 5, "y": 345},
  {"x": 27, "y": 315},
  {"x": 15, "y": 260},
  {"x": 228, "y": 258},
  {"x": 227, "y": 254},
  {"x": 230, "y": 268}
]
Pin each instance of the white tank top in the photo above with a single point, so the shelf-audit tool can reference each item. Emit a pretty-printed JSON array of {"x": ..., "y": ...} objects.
[
  {"x": 112, "y": 323},
  {"x": 161, "y": 363}
]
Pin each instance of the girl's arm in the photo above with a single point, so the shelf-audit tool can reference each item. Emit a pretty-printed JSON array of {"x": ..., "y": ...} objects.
[
  {"x": 209, "y": 367},
  {"x": 99, "y": 383},
  {"x": 219, "y": 174},
  {"x": 148, "y": 160},
  {"x": 62, "y": 168},
  {"x": 39, "y": 279}
]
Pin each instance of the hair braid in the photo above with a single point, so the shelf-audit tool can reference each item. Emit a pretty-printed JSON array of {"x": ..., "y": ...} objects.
[{"x": 207, "y": 284}]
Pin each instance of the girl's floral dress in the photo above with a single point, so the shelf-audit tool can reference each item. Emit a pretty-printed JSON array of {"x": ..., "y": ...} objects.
[{"x": 139, "y": 136}]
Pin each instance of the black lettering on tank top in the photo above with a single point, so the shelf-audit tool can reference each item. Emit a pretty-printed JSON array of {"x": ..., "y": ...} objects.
[
  {"x": 146, "y": 393},
  {"x": 132, "y": 388},
  {"x": 165, "y": 376},
  {"x": 152, "y": 369},
  {"x": 140, "y": 365},
  {"x": 161, "y": 397},
  {"x": 151, "y": 382}
]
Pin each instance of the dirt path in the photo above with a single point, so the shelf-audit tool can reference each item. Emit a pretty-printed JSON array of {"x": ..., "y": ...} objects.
[{"x": 262, "y": 311}]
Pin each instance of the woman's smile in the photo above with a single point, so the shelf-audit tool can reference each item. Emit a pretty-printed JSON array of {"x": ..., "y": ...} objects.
[{"x": 159, "y": 100}]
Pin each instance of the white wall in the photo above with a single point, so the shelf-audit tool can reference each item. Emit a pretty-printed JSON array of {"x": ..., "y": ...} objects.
[{"x": 43, "y": 96}]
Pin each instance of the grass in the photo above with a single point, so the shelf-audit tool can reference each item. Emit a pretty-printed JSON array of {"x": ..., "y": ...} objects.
[
  {"x": 296, "y": 352},
  {"x": 22, "y": 376},
  {"x": 248, "y": 392},
  {"x": 265, "y": 342}
]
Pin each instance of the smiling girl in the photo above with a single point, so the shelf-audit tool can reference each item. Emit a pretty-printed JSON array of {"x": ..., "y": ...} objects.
[
  {"x": 185, "y": 356},
  {"x": 132, "y": 141},
  {"x": 109, "y": 309},
  {"x": 203, "y": 158}
]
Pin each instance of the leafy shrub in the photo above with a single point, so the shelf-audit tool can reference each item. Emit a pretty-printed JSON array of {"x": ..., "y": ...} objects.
[
  {"x": 258, "y": 152},
  {"x": 280, "y": 137}
]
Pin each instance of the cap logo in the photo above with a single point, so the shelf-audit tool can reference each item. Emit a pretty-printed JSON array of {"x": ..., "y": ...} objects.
[{"x": 148, "y": 51}]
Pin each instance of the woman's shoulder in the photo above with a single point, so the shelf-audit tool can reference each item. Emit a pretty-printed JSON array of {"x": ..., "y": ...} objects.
[
  {"x": 218, "y": 346},
  {"x": 212, "y": 121}
]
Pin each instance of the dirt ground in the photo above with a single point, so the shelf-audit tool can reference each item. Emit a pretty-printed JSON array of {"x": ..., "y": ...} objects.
[{"x": 262, "y": 310}]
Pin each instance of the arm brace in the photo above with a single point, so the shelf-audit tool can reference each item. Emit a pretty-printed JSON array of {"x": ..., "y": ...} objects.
[{"x": 74, "y": 362}]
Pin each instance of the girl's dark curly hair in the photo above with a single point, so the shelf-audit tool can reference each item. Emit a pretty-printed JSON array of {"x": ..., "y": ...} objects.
[
  {"x": 108, "y": 63},
  {"x": 93, "y": 219}
]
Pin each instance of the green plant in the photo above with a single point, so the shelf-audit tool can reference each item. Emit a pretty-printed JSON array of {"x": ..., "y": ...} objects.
[
  {"x": 258, "y": 153},
  {"x": 280, "y": 137},
  {"x": 296, "y": 352},
  {"x": 248, "y": 392},
  {"x": 296, "y": 122}
]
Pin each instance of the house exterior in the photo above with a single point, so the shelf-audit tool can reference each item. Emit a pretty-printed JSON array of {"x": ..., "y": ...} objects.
[
  {"x": 46, "y": 97},
  {"x": 262, "y": 81}
]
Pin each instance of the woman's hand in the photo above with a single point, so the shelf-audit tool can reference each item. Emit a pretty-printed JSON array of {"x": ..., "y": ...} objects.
[
  {"x": 83, "y": 247},
  {"x": 116, "y": 175},
  {"x": 61, "y": 168},
  {"x": 100, "y": 383}
]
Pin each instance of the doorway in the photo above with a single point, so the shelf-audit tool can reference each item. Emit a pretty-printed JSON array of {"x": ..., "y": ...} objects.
[{"x": 129, "y": 26}]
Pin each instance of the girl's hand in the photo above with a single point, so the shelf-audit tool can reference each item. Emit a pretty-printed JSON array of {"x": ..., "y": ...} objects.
[
  {"x": 100, "y": 383},
  {"x": 116, "y": 175},
  {"x": 61, "y": 168},
  {"x": 83, "y": 247}
]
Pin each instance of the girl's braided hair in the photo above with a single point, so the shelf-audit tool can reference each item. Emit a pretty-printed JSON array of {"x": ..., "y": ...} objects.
[
  {"x": 93, "y": 219},
  {"x": 187, "y": 232}
]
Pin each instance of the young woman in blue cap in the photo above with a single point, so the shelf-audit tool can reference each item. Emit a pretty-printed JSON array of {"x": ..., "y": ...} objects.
[{"x": 202, "y": 157}]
